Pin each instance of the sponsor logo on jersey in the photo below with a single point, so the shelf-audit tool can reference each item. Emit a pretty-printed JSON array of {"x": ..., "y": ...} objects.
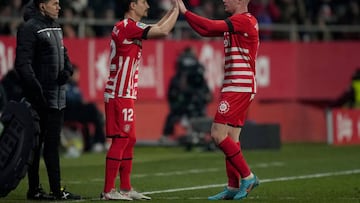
[{"x": 141, "y": 25}]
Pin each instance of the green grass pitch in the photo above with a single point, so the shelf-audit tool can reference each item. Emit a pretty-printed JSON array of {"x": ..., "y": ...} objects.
[{"x": 295, "y": 173}]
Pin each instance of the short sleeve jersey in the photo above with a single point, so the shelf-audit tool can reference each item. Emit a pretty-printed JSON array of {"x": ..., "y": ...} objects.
[
  {"x": 240, "y": 45},
  {"x": 126, "y": 46}
]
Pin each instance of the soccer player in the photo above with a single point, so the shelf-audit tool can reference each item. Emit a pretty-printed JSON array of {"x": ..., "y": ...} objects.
[
  {"x": 121, "y": 90},
  {"x": 241, "y": 42}
]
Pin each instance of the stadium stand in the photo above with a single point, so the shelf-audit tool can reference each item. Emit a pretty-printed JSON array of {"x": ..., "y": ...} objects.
[{"x": 306, "y": 20}]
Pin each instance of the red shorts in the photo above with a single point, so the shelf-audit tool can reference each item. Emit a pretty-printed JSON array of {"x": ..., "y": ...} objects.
[
  {"x": 120, "y": 117},
  {"x": 232, "y": 108}
]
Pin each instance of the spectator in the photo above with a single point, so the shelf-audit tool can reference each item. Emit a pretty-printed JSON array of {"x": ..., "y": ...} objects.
[
  {"x": 68, "y": 28},
  {"x": 85, "y": 113},
  {"x": 78, "y": 5},
  {"x": 188, "y": 93},
  {"x": 105, "y": 30},
  {"x": 267, "y": 13},
  {"x": 44, "y": 67},
  {"x": 351, "y": 97},
  {"x": 351, "y": 16}
]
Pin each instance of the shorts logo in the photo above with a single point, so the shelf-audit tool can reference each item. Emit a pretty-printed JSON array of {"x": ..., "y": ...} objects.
[
  {"x": 224, "y": 107},
  {"x": 127, "y": 128}
]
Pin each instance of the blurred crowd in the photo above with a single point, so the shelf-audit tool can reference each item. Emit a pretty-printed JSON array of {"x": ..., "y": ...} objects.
[{"x": 318, "y": 14}]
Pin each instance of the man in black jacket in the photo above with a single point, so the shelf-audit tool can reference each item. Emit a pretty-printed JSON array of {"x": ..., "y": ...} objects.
[{"x": 44, "y": 68}]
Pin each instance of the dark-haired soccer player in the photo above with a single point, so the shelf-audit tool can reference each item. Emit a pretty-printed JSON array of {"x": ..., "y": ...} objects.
[
  {"x": 121, "y": 90},
  {"x": 241, "y": 42}
]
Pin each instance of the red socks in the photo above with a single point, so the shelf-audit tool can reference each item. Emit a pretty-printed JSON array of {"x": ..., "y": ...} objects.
[
  {"x": 234, "y": 155},
  {"x": 111, "y": 171},
  {"x": 125, "y": 171},
  {"x": 126, "y": 166},
  {"x": 232, "y": 174},
  {"x": 113, "y": 160}
]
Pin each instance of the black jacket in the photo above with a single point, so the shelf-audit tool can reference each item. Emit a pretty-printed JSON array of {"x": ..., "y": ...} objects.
[{"x": 41, "y": 60}]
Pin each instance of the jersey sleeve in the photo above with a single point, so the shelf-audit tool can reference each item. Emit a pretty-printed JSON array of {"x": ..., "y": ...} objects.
[
  {"x": 244, "y": 23},
  {"x": 206, "y": 27},
  {"x": 137, "y": 30}
]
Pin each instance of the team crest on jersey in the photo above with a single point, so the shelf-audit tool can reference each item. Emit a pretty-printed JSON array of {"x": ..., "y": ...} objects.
[
  {"x": 141, "y": 25},
  {"x": 127, "y": 128},
  {"x": 224, "y": 107}
]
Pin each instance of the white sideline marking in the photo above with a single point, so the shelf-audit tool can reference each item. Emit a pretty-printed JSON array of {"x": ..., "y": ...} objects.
[
  {"x": 197, "y": 171},
  {"x": 317, "y": 175},
  {"x": 191, "y": 171}
]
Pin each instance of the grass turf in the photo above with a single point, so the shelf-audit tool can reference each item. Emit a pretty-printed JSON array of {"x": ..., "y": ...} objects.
[{"x": 295, "y": 173}]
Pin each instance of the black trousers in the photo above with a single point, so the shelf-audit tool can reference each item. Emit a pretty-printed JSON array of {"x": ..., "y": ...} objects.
[
  {"x": 171, "y": 119},
  {"x": 51, "y": 121}
]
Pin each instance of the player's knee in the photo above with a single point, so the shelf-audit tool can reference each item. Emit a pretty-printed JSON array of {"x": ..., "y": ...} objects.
[{"x": 217, "y": 138}]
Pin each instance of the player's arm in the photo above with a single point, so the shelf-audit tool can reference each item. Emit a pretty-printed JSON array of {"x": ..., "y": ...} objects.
[
  {"x": 166, "y": 24},
  {"x": 203, "y": 26}
]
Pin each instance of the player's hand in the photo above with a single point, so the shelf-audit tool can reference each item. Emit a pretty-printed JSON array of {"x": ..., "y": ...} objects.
[
  {"x": 64, "y": 77},
  {"x": 182, "y": 6},
  {"x": 175, "y": 4}
]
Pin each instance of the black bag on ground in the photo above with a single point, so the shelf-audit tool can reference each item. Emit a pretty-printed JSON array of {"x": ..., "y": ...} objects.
[{"x": 18, "y": 138}]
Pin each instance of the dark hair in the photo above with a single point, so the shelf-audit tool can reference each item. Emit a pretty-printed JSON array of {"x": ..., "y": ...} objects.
[
  {"x": 126, "y": 5},
  {"x": 38, "y": 2}
]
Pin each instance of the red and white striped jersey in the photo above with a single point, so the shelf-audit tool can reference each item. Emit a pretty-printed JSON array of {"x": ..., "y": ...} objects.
[
  {"x": 241, "y": 44},
  {"x": 126, "y": 46}
]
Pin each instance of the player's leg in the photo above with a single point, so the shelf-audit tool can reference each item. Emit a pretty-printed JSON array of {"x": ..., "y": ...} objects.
[
  {"x": 125, "y": 173},
  {"x": 126, "y": 165},
  {"x": 232, "y": 174},
  {"x": 225, "y": 132},
  {"x": 248, "y": 180},
  {"x": 220, "y": 134},
  {"x": 127, "y": 158},
  {"x": 114, "y": 123}
]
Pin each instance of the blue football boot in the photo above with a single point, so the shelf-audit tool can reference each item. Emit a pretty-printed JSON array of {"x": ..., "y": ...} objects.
[
  {"x": 224, "y": 195},
  {"x": 246, "y": 187}
]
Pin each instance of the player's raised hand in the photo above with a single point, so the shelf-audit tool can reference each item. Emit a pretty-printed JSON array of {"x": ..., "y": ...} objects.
[
  {"x": 182, "y": 6},
  {"x": 175, "y": 4}
]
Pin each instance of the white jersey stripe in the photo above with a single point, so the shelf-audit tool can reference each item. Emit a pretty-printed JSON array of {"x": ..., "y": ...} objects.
[
  {"x": 237, "y": 65},
  {"x": 235, "y": 57},
  {"x": 230, "y": 81},
  {"x": 123, "y": 70},
  {"x": 237, "y": 49},
  {"x": 130, "y": 87},
  {"x": 232, "y": 73},
  {"x": 236, "y": 89}
]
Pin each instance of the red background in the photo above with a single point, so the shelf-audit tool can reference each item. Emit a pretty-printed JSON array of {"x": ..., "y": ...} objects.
[
  {"x": 296, "y": 80},
  {"x": 345, "y": 127}
]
